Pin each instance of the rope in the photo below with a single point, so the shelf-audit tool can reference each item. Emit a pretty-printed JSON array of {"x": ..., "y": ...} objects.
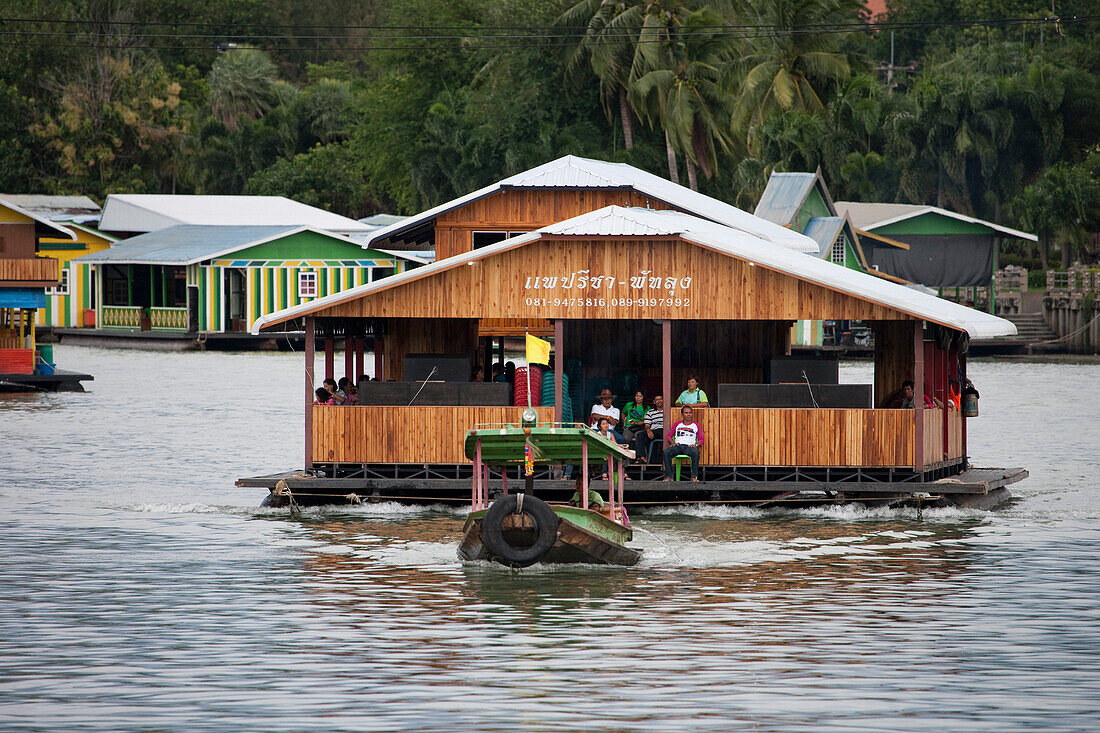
[
  {"x": 353, "y": 498},
  {"x": 519, "y": 503},
  {"x": 282, "y": 490},
  {"x": 1071, "y": 334}
]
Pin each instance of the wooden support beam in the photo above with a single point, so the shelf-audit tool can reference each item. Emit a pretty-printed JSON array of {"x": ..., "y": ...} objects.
[
  {"x": 918, "y": 395},
  {"x": 359, "y": 347},
  {"x": 962, "y": 417},
  {"x": 330, "y": 358},
  {"x": 349, "y": 358},
  {"x": 378, "y": 361},
  {"x": 559, "y": 368},
  {"x": 310, "y": 348}
]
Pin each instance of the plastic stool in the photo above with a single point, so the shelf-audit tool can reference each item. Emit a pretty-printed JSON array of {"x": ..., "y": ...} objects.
[{"x": 678, "y": 461}]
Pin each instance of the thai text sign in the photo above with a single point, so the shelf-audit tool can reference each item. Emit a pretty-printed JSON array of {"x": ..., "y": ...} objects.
[{"x": 583, "y": 288}]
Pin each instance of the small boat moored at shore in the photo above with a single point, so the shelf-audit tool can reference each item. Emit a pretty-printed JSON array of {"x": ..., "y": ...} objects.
[{"x": 520, "y": 529}]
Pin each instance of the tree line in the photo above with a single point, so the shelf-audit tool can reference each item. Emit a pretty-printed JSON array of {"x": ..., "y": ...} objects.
[{"x": 398, "y": 105}]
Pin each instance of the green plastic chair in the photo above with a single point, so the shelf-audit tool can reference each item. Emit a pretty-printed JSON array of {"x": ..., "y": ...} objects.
[{"x": 678, "y": 462}]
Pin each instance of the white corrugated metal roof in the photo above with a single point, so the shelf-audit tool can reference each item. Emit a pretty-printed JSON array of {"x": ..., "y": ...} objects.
[
  {"x": 574, "y": 172},
  {"x": 873, "y": 216},
  {"x": 148, "y": 212},
  {"x": 619, "y": 221}
]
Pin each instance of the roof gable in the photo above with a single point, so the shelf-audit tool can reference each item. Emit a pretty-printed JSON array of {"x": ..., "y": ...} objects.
[
  {"x": 877, "y": 216},
  {"x": 43, "y": 227},
  {"x": 573, "y": 172}
]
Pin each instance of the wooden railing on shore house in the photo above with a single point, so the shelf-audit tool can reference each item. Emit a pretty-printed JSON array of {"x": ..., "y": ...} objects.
[
  {"x": 734, "y": 436},
  {"x": 28, "y": 269}
]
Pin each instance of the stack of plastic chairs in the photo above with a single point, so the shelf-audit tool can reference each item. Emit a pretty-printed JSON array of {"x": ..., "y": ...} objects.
[
  {"x": 548, "y": 395},
  {"x": 520, "y": 392}
]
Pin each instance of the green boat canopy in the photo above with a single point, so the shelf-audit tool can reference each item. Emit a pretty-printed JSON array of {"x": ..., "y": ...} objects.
[{"x": 552, "y": 445}]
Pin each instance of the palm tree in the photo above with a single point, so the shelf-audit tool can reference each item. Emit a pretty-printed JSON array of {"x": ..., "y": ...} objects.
[
  {"x": 680, "y": 89},
  {"x": 242, "y": 86},
  {"x": 788, "y": 69},
  {"x": 608, "y": 48}
]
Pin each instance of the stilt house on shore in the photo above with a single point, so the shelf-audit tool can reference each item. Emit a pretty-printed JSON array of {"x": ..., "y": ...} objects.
[
  {"x": 652, "y": 279},
  {"x": 801, "y": 201}
]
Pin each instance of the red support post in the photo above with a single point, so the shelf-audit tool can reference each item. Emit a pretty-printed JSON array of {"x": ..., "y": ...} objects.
[
  {"x": 379, "y": 364},
  {"x": 475, "y": 502},
  {"x": 918, "y": 395},
  {"x": 559, "y": 368},
  {"x": 584, "y": 474},
  {"x": 310, "y": 348},
  {"x": 349, "y": 358},
  {"x": 358, "y": 357},
  {"x": 330, "y": 358},
  {"x": 666, "y": 373}
]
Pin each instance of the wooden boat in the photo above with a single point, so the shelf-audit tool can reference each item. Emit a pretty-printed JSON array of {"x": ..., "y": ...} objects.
[{"x": 520, "y": 529}]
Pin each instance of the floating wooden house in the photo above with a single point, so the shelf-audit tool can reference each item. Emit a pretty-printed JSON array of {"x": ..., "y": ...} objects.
[
  {"x": 25, "y": 276},
  {"x": 71, "y": 302},
  {"x": 665, "y": 294}
]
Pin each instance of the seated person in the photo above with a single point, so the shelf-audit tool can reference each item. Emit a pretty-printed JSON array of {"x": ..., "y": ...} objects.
[
  {"x": 603, "y": 428},
  {"x": 634, "y": 416},
  {"x": 477, "y": 374},
  {"x": 346, "y": 388},
  {"x": 954, "y": 397},
  {"x": 685, "y": 439},
  {"x": 498, "y": 373},
  {"x": 324, "y": 397},
  {"x": 903, "y": 399},
  {"x": 653, "y": 430},
  {"x": 604, "y": 408},
  {"x": 334, "y": 390},
  {"x": 693, "y": 395}
]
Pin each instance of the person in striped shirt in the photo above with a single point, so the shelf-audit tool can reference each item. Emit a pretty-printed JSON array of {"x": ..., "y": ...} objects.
[{"x": 653, "y": 430}]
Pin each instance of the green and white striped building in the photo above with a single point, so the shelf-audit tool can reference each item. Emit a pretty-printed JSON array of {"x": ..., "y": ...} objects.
[{"x": 221, "y": 278}]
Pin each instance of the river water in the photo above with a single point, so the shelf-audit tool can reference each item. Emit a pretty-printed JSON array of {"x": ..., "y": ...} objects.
[{"x": 140, "y": 590}]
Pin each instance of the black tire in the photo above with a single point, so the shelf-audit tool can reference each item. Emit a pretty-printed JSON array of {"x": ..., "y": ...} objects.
[
  {"x": 267, "y": 501},
  {"x": 546, "y": 529}
]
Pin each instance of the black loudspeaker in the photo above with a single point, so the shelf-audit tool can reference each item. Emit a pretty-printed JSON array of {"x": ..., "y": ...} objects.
[
  {"x": 448, "y": 368},
  {"x": 787, "y": 369}
]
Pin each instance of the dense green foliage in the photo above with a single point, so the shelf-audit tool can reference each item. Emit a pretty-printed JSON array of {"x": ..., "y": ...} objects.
[{"x": 376, "y": 113}]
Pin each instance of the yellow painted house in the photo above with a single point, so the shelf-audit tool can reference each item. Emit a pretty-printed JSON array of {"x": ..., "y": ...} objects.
[{"x": 67, "y": 302}]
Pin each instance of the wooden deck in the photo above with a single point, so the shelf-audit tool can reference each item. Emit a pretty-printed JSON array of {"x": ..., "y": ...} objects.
[
  {"x": 734, "y": 436},
  {"x": 973, "y": 487}
]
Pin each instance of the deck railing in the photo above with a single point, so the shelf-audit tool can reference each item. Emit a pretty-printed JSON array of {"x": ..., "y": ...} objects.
[
  {"x": 168, "y": 319},
  {"x": 30, "y": 269},
  {"x": 120, "y": 316},
  {"x": 734, "y": 436}
]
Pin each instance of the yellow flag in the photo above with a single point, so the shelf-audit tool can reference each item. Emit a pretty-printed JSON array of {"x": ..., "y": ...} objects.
[{"x": 538, "y": 351}]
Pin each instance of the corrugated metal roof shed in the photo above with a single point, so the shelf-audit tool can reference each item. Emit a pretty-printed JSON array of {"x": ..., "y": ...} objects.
[
  {"x": 149, "y": 212},
  {"x": 619, "y": 221},
  {"x": 575, "y": 172},
  {"x": 784, "y": 196},
  {"x": 872, "y": 216}
]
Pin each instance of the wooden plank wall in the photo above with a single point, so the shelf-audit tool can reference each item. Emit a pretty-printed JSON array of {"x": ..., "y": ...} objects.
[
  {"x": 402, "y": 434},
  {"x": 933, "y": 436},
  {"x": 716, "y": 352},
  {"x": 430, "y": 336},
  {"x": 720, "y": 288},
  {"x": 893, "y": 357},
  {"x": 807, "y": 437},
  {"x": 30, "y": 269},
  {"x": 522, "y": 210},
  {"x": 735, "y": 436}
]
